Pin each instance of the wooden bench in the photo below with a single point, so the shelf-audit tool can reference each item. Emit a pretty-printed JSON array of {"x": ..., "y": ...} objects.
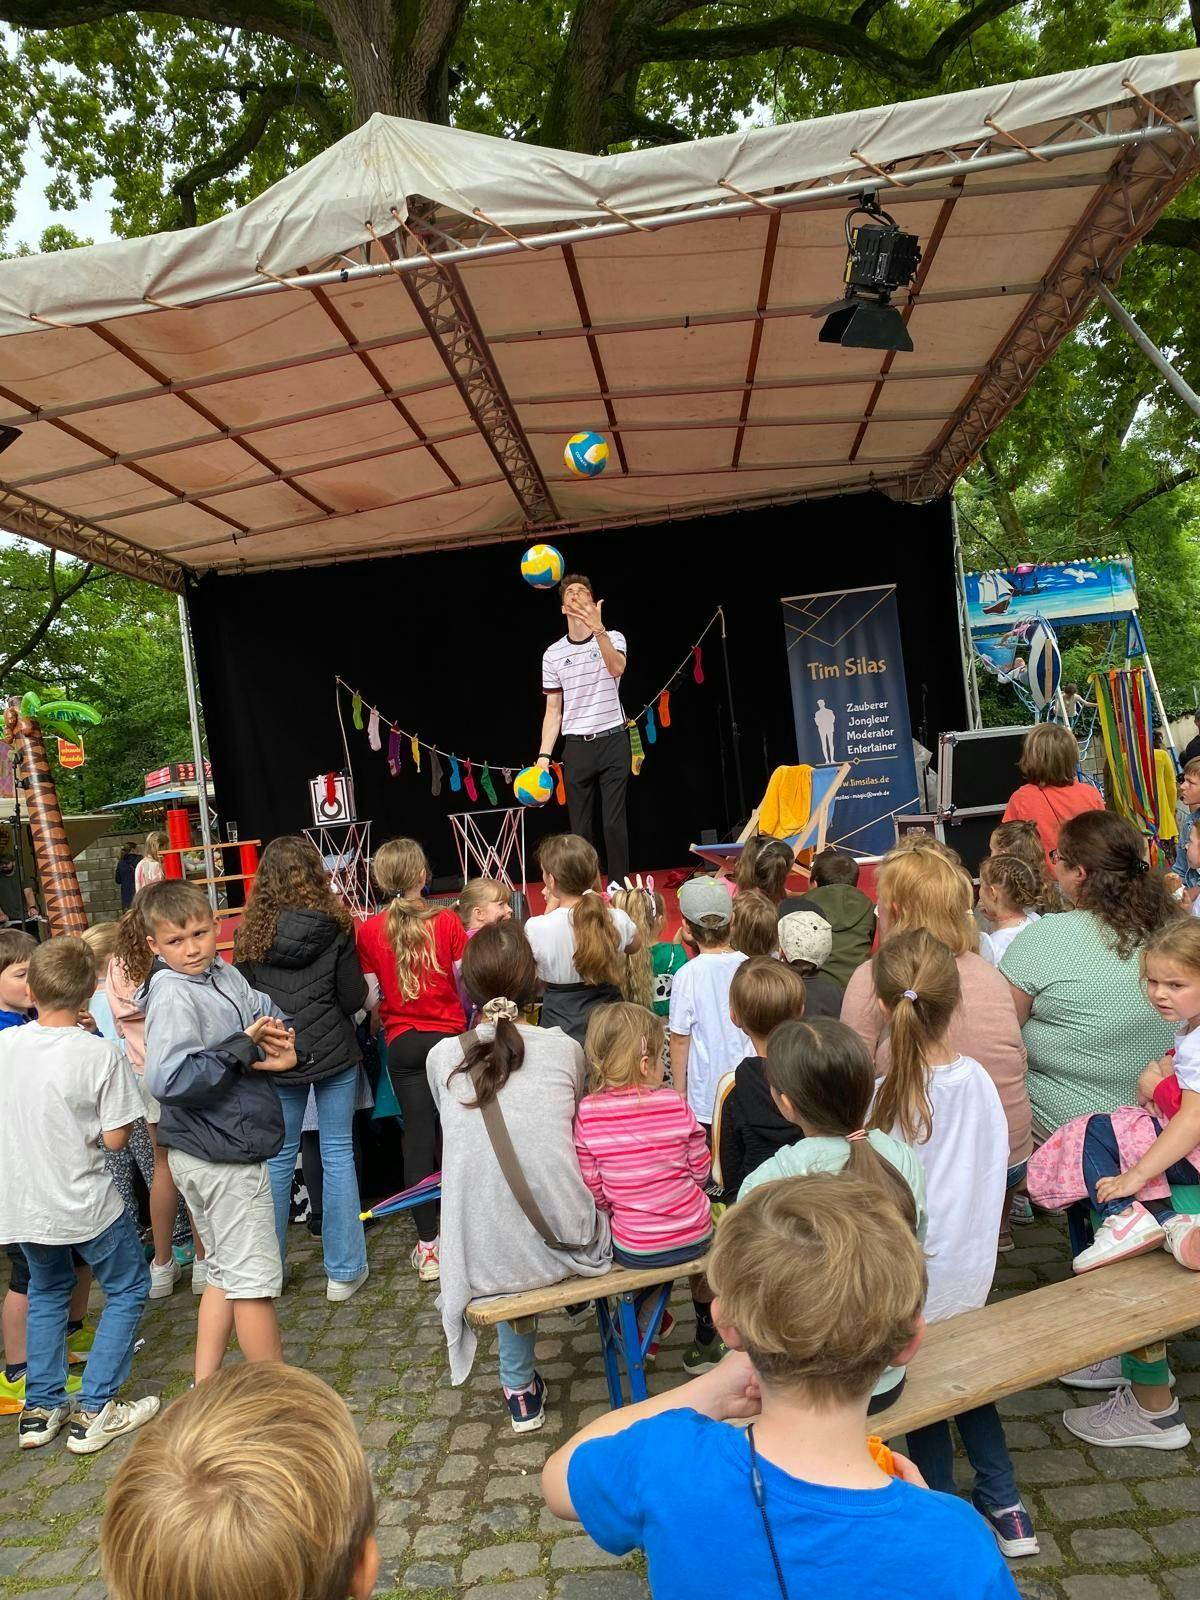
[
  {"x": 964, "y": 1362},
  {"x": 621, "y": 1343},
  {"x": 1031, "y": 1338}
]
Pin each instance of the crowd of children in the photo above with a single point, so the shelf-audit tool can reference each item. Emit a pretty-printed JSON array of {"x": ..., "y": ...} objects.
[{"x": 826, "y": 1100}]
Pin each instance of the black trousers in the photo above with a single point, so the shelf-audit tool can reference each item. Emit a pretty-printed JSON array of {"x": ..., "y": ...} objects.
[
  {"x": 599, "y": 768},
  {"x": 422, "y": 1134}
]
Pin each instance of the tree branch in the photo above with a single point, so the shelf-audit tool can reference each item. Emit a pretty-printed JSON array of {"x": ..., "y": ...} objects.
[
  {"x": 865, "y": 12},
  {"x": 297, "y": 22},
  {"x": 1003, "y": 503},
  {"x": 1167, "y": 486},
  {"x": 803, "y": 30},
  {"x": 58, "y": 599},
  {"x": 1176, "y": 233},
  {"x": 625, "y": 122},
  {"x": 269, "y": 99}
]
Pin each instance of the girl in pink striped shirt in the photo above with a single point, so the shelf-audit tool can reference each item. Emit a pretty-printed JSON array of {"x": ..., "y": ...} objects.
[{"x": 642, "y": 1153}]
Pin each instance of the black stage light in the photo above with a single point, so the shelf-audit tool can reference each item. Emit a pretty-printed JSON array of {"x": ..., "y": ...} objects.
[
  {"x": 8, "y": 436},
  {"x": 880, "y": 258}
]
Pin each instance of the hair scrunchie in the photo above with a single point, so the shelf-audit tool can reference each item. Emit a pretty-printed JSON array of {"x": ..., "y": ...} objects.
[
  {"x": 1139, "y": 867},
  {"x": 911, "y": 994},
  {"x": 500, "y": 1007}
]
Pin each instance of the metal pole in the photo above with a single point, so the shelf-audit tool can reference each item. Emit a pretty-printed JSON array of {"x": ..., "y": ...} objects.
[
  {"x": 966, "y": 649},
  {"x": 189, "y": 675},
  {"x": 1149, "y": 349},
  {"x": 733, "y": 725}
]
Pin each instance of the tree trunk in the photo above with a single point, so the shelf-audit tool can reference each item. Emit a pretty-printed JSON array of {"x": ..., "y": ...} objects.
[
  {"x": 52, "y": 853},
  {"x": 575, "y": 112},
  {"x": 396, "y": 54}
]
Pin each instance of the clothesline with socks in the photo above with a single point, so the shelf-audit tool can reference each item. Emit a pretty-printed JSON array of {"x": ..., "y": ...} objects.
[{"x": 468, "y": 774}]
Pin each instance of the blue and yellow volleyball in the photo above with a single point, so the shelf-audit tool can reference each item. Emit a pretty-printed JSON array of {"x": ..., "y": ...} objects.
[
  {"x": 542, "y": 566},
  {"x": 586, "y": 454},
  {"x": 532, "y": 786}
]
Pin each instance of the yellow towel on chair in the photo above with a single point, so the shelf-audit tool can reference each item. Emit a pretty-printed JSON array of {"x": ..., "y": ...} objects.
[{"x": 787, "y": 804}]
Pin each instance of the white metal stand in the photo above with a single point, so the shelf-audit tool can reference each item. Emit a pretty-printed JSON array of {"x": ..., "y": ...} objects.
[
  {"x": 194, "y": 717},
  {"x": 491, "y": 856},
  {"x": 345, "y": 847}
]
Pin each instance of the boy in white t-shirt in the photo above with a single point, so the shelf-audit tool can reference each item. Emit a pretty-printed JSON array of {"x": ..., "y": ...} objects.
[
  {"x": 68, "y": 1096},
  {"x": 705, "y": 1043}
]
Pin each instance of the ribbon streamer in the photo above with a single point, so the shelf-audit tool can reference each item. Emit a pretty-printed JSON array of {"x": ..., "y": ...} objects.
[{"x": 660, "y": 702}]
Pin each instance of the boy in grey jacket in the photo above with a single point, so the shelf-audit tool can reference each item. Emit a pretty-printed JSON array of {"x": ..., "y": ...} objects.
[{"x": 210, "y": 1038}]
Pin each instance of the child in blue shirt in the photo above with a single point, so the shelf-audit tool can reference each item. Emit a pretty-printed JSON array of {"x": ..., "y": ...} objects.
[
  {"x": 819, "y": 1286},
  {"x": 16, "y": 1005}
]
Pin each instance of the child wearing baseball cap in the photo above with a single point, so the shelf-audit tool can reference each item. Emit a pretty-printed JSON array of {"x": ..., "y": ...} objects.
[{"x": 806, "y": 939}]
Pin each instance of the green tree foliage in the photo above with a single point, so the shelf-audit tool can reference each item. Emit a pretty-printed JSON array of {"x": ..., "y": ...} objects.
[
  {"x": 1102, "y": 458},
  {"x": 109, "y": 641}
]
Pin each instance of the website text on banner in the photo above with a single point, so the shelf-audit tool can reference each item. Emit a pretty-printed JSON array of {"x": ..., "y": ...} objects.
[{"x": 850, "y": 704}]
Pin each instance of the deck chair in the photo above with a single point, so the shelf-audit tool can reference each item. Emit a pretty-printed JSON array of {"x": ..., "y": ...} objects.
[{"x": 826, "y": 781}]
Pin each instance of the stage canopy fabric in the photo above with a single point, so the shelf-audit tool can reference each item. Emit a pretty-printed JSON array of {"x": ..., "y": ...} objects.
[{"x": 388, "y": 349}]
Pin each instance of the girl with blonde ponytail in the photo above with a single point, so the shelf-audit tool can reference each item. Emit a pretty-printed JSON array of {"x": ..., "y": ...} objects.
[
  {"x": 580, "y": 940},
  {"x": 410, "y": 948},
  {"x": 637, "y": 981},
  {"x": 945, "y": 1107}
]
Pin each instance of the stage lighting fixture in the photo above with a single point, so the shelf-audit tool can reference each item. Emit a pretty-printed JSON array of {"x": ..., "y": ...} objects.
[
  {"x": 8, "y": 436},
  {"x": 880, "y": 258}
]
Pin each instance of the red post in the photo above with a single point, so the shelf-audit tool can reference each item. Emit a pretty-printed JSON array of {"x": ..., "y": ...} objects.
[
  {"x": 248, "y": 854},
  {"x": 179, "y": 832}
]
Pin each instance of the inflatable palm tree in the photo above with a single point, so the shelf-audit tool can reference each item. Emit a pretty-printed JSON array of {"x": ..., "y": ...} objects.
[{"x": 26, "y": 721}]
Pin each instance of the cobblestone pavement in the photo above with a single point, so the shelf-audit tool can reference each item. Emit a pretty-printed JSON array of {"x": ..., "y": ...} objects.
[{"x": 460, "y": 1512}]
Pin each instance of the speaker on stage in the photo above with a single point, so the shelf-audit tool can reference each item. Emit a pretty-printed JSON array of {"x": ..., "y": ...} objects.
[{"x": 331, "y": 796}]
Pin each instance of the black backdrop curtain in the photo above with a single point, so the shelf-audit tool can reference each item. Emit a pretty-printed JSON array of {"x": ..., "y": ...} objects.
[{"x": 450, "y": 644}]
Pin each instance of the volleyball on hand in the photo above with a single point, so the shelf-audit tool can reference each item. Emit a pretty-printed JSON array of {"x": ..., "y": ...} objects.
[
  {"x": 542, "y": 566},
  {"x": 586, "y": 455},
  {"x": 532, "y": 786}
]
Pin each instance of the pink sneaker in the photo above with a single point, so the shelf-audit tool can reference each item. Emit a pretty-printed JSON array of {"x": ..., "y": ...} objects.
[{"x": 1131, "y": 1232}]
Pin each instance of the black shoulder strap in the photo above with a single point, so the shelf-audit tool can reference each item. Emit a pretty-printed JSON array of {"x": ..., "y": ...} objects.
[{"x": 510, "y": 1166}]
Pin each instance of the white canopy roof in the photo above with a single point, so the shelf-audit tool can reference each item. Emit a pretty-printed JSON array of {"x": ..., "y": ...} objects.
[{"x": 388, "y": 349}]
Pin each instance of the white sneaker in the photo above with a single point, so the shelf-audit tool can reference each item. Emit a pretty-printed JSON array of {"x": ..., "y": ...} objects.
[
  {"x": 199, "y": 1276},
  {"x": 1119, "y": 1421},
  {"x": 1183, "y": 1240},
  {"x": 163, "y": 1279},
  {"x": 92, "y": 1431},
  {"x": 1132, "y": 1232},
  {"x": 1104, "y": 1374},
  {"x": 342, "y": 1291},
  {"x": 425, "y": 1260},
  {"x": 38, "y": 1426}
]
